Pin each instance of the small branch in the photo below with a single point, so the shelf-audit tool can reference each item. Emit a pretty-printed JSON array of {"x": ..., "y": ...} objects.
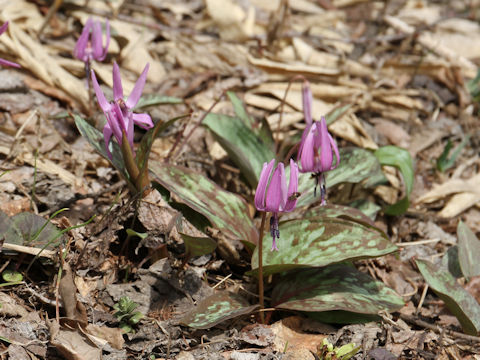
[{"x": 30, "y": 250}]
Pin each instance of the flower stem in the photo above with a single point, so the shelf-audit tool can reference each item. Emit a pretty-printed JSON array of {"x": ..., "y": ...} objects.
[{"x": 260, "y": 267}]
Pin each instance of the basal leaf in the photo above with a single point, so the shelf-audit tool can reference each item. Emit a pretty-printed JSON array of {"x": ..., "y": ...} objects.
[
  {"x": 30, "y": 229},
  {"x": 217, "y": 308},
  {"x": 356, "y": 165},
  {"x": 342, "y": 317},
  {"x": 401, "y": 159},
  {"x": 244, "y": 147},
  {"x": 198, "y": 246},
  {"x": 226, "y": 211},
  {"x": 95, "y": 138},
  {"x": 367, "y": 207},
  {"x": 339, "y": 211},
  {"x": 320, "y": 241},
  {"x": 335, "y": 287},
  {"x": 468, "y": 250},
  {"x": 457, "y": 299},
  {"x": 155, "y": 99}
]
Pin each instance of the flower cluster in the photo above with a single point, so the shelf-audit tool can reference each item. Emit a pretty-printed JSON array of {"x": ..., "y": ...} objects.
[
  {"x": 119, "y": 113},
  {"x": 315, "y": 155},
  {"x": 3, "y": 61},
  {"x": 89, "y": 44}
]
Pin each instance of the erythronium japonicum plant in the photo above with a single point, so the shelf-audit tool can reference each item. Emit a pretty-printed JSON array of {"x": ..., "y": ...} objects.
[
  {"x": 3, "y": 61},
  {"x": 121, "y": 119},
  {"x": 317, "y": 146},
  {"x": 272, "y": 196}
]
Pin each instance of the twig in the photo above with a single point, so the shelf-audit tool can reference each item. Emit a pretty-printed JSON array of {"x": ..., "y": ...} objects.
[{"x": 30, "y": 250}]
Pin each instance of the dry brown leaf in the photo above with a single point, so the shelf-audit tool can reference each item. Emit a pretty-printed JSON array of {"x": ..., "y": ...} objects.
[
  {"x": 275, "y": 66},
  {"x": 393, "y": 132},
  {"x": 234, "y": 23},
  {"x": 288, "y": 331},
  {"x": 72, "y": 344},
  {"x": 350, "y": 128},
  {"x": 10, "y": 307},
  {"x": 114, "y": 336}
]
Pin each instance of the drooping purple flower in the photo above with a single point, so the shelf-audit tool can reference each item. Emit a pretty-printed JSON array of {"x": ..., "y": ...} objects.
[
  {"x": 317, "y": 146},
  {"x": 119, "y": 113},
  {"x": 89, "y": 44},
  {"x": 3, "y": 61},
  {"x": 273, "y": 196}
]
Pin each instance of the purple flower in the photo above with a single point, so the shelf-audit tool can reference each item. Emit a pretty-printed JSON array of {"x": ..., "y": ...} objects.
[
  {"x": 3, "y": 61},
  {"x": 274, "y": 196},
  {"x": 317, "y": 146},
  {"x": 119, "y": 113},
  {"x": 316, "y": 149},
  {"x": 89, "y": 44}
]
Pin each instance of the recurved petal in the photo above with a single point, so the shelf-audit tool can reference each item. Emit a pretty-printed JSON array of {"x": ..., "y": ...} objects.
[
  {"x": 102, "y": 101},
  {"x": 80, "y": 47},
  {"x": 138, "y": 88},
  {"x": 107, "y": 135},
  {"x": 277, "y": 190},
  {"x": 3, "y": 27},
  {"x": 97, "y": 40},
  {"x": 262, "y": 185},
  {"x": 292, "y": 187},
  {"x": 335, "y": 149},
  {"x": 326, "y": 155},
  {"x": 143, "y": 120},
  {"x": 307, "y": 102},
  {"x": 107, "y": 41},
  {"x": 8, "y": 63},
  {"x": 307, "y": 152},
  {"x": 117, "y": 83}
]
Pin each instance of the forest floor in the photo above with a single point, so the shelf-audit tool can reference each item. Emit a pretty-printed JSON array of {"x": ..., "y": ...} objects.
[{"x": 401, "y": 73}]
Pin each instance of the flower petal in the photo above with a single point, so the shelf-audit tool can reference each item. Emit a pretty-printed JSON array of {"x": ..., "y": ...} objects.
[
  {"x": 80, "y": 47},
  {"x": 107, "y": 135},
  {"x": 3, "y": 27},
  {"x": 107, "y": 41},
  {"x": 307, "y": 102},
  {"x": 102, "y": 101},
  {"x": 143, "y": 120},
  {"x": 333, "y": 144},
  {"x": 326, "y": 155},
  {"x": 277, "y": 190},
  {"x": 262, "y": 185},
  {"x": 9, "y": 63},
  {"x": 117, "y": 83},
  {"x": 137, "y": 90},
  {"x": 97, "y": 40},
  {"x": 307, "y": 151},
  {"x": 292, "y": 187}
]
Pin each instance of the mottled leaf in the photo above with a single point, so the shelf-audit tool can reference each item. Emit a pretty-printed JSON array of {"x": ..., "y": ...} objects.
[
  {"x": 226, "y": 211},
  {"x": 217, "y": 308},
  {"x": 457, "y": 299},
  {"x": 451, "y": 263},
  {"x": 342, "y": 317},
  {"x": 468, "y": 251},
  {"x": 356, "y": 165},
  {"x": 367, "y": 207},
  {"x": 335, "y": 287},
  {"x": 401, "y": 159},
  {"x": 244, "y": 147},
  {"x": 30, "y": 229},
  {"x": 95, "y": 138},
  {"x": 198, "y": 246},
  {"x": 339, "y": 211},
  {"x": 155, "y": 99},
  {"x": 145, "y": 146},
  {"x": 321, "y": 241},
  {"x": 261, "y": 130}
]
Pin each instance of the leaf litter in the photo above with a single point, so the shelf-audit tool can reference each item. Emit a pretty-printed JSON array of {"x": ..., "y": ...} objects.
[{"x": 406, "y": 71}]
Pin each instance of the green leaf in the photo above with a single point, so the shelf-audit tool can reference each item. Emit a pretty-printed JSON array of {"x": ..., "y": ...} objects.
[
  {"x": 244, "y": 147},
  {"x": 198, "y": 246},
  {"x": 336, "y": 287},
  {"x": 12, "y": 276},
  {"x": 26, "y": 228},
  {"x": 226, "y": 211},
  {"x": 216, "y": 308},
  {"x": 145, "y": 146},
  {"x": 458, "y": 300},
  {"x": 451, "y": 263},
  {"x": 339, "y": 211},
  {"x": 444, "y": 162},
  {"x": 356, "y": 165},
  {"x": 263, "y": 131},
  {"x": 367, "y": 207},
  {"x": 95, "y": 138},
  {"x": 399, "y": 208},
  {"x": 468, "y": 251},
  {"x": 320, "y": 241},
  {"x": 155, "y": 99},
  {"x": 401, "y": 159}
]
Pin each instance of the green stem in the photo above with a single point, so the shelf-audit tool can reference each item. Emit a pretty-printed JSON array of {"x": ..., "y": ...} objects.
[{"x": 260, "y": 268}]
